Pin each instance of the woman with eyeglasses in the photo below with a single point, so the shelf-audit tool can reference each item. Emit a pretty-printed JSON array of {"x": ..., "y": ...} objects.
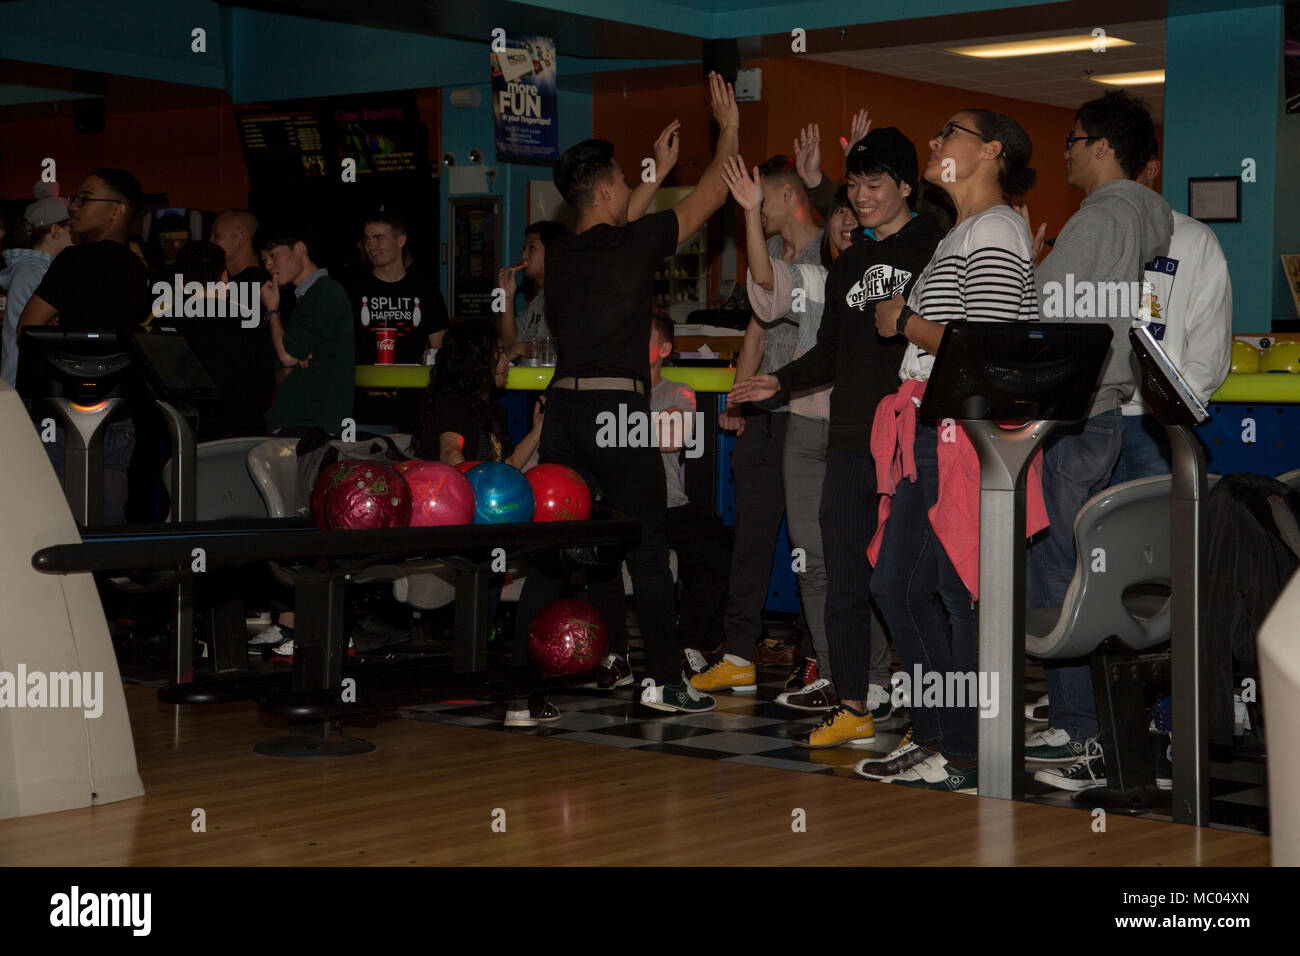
[{"x": 927, "y": 551}]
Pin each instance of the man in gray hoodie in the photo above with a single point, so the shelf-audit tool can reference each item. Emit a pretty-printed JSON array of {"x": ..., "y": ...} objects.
[
  {"x": 45, "y": 226},
  {"x": 1093, "y": 274}
]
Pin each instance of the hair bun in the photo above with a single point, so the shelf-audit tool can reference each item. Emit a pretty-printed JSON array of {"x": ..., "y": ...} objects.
[{"x": 45, "y": 190}]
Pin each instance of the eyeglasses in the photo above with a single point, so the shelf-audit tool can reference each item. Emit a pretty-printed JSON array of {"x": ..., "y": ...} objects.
[
  {"x": 950, "y": 128},
  {"x": 78, "y": 199},
  {"x": 1071, "y": 140}
]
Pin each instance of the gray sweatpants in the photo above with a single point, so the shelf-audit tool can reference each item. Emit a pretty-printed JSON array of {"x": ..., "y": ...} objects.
[{"x": 803, "y": 469}]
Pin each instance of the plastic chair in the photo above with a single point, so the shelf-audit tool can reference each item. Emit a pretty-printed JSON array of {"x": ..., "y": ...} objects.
[
  {"x": 1126, "y": 527},
  {"x": 224, "y": 488}
]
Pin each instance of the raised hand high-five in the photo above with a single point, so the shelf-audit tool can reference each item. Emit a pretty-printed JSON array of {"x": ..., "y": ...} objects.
[
  {"x": 746, "y": 191},
  {"x": 808, "y": 155},
  {"x": 858, "y": 128},
  {"x": 722, "y": 99},
  {"x": 666, "y": 147}
]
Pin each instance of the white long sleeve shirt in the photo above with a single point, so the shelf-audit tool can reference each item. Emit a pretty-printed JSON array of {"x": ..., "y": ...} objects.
[{"x": 1191, "y": 308}]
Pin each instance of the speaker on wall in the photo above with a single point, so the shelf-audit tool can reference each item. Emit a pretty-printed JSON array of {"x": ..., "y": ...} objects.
[{"x": 722, "y": 57}]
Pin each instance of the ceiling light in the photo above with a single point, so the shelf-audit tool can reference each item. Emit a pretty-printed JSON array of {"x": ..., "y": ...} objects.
[
  {"x": 1141, "y": 78},
  {"x": 1081, "y": 43}
]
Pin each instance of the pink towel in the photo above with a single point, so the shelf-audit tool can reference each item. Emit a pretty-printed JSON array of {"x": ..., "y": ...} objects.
[{"x": 955, "y": 516}]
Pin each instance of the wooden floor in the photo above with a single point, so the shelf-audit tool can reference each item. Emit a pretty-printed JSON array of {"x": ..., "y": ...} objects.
[{"x": 428, "y": 795}]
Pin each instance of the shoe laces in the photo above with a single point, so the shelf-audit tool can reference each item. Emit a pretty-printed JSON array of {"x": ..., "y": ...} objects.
[
  {"x": 1091, "y": 753},
  {"x": 809, "y": 672},
  {"x": 696, "y": 660},
  {"x": 831, "y": 717}
]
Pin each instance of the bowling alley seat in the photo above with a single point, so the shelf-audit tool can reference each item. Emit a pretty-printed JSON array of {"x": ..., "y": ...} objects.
[
  {"x": 425, "y": 584},
  {"x": 1279, "y": 660},
  {"x": 224, "y": 487}
]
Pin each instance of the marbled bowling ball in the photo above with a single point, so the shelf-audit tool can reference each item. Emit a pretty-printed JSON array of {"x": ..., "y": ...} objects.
[
  {"x": 559, "y": 494},
  {"x": 440, "y": 495},
  {"x": 502, "y": 494},
  {"x": 329, "y": 477},
  {"x": 567, "y": 637},
  {"x": 370, "y": 495}
]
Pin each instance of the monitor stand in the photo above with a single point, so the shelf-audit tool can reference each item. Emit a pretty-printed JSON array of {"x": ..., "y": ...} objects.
[{"x": 83, "y": 455}]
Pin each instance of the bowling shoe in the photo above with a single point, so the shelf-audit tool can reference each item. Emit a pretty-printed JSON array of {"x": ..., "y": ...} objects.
[
  {"x": 936, "y": 773},
  {"x": 879, "y": 703},
  {"x": 902, "y": 758},
  {"x": 1086, "y": 773},
  {"x": 1037, "y": 712},
  {"x": 843, "y": 726},
  {"x": 819, "y": 695},
  {"x": 1053, "y": 746},
  {"x": 804, "y": 673},
  {"x": 681, "y": 698},
  {"x": 731, "y": 672},
  {"x": 614, "y": 671}
]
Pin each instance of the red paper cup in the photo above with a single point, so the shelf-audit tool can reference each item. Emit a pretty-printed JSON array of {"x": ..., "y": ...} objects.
[{"x": 385, "y": 345}]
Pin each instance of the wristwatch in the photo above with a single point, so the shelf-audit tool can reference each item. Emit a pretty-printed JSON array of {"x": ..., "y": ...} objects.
[{"x": 903, "y": 316}]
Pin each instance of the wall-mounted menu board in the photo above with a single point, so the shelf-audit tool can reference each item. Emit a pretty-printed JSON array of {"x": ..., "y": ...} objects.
[
  {"x": 309, "y": 139},
  {"x": 473, "y": 254}
]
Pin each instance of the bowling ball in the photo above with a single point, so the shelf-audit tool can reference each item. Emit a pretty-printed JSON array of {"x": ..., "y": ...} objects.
[
  {"x": 559, "y": 494},
  {"x": 1281, "y": 357},
  {"x": 567, "y": 637},
  {"x": 465, "y": 466},
  {"x": 402, "y": 467},
  {"x": 370, "y": 495},
  {"x": 1245, "y": 357},
  {"x": 440, "y": 495},
  {"x": 502, "y": 494},
  {"x": 329, "y": 477}
]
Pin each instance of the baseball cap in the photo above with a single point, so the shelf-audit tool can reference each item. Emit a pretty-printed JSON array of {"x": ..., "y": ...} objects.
[
  {"x": 888, "y": 147},
  {"x": 45, "y": 211}
]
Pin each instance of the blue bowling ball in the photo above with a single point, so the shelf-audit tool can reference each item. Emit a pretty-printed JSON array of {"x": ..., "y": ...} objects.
[{"x": 502, "y": 495}]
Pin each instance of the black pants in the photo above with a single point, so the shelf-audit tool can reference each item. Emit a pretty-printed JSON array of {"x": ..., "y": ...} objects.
[
  {"x": 703, "y": 563},
  {"x": 632, "y": 482},
  {"x": 760, "y": 505}
]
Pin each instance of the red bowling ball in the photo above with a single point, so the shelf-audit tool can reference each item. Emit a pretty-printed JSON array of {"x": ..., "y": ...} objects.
[
  {"x": 402, "y": 467},
  {"x": 440, "y": 495},
  {"x": 466, "y": 465},
  {"x": 559, "y": 494},
  {"x": 567, "y": 637},
  {"x": 329, "y": 477},
  {"x": 369, "y": 495}
]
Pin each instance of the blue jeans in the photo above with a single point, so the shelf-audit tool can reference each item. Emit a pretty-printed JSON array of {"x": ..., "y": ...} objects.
[
  {"x": 913, "y": 577},
  {"x": 1077, "y": 463},
  {"x": 119, "y": 444},
  {"x": 1144, "y": 452}
]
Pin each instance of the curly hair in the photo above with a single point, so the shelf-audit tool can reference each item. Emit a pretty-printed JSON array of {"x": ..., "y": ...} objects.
[{"x": 466, "y": 366}]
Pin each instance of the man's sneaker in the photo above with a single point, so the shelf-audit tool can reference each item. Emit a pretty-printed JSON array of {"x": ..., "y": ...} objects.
[
  {"x": 284, "y": 650},
  {"x": 901, "y": 759},
  {"x": 696, "y": 662},
  {"x": 770, "y": 652},
  {"x": 842, "y": 727},
  {"x": 936, "y": 773},
  {"x": 614, "y": 671},
  {"x": 272, "y": 636},
  {"x": 681, "y": 698},
  {"x": 819, "y": 695},
  {"x": 879, "y": 703},
  {"x": 1037, "y": 712},
  {"x": 539, "y": 710},
  {"x": 1086, "y": 773},
  {"x": 1053, "y": 746},
  {"x": 804, "y": 673},
  {"x": 732, "y": 672}
]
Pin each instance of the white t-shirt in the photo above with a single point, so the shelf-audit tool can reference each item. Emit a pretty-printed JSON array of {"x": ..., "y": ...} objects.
[
  {"x": 1191, "y": 308},
  {"x": 981, "y": 272},
  {"x": 663, "y": 396},
  {"x": 532, "y": 324}
]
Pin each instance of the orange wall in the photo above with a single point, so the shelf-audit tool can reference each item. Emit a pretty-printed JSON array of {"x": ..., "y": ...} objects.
[{"x": 798, "y": 91}]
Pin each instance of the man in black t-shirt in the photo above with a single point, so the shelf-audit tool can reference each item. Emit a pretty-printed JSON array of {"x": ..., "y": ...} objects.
[
  {"x": 234, "y": 231},
  {"x": 600, "y": 298},
  {"x": 389, "y": 296},
  {"x": 98, "y": 284}
]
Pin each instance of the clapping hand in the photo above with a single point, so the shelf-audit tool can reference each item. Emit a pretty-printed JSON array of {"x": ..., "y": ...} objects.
[
  {"x": 666, "y": 150},
  {"x": 748, "y": 192},
  {"x": 808, "y": 155},
  {"x": 858, "y": 129}
]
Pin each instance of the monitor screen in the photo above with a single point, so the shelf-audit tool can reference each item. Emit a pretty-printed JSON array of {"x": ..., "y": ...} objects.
[{"x": 172, "y": 365}]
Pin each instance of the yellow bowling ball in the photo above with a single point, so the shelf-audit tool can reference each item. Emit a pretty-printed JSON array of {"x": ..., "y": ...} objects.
[
  {"x": 1245, "y": 357},
  {"x": 1281, "y": 357}
]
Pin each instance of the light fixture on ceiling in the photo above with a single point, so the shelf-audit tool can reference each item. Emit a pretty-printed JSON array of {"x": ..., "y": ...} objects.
[
  {"x": 1140, "y": 78},
  {"x": 1082, "y": 43}
]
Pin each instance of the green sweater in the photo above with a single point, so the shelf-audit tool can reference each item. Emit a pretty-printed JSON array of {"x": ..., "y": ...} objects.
[{"x": 322, "y": 393}]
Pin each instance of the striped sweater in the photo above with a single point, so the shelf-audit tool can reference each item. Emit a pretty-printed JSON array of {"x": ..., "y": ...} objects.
[{"x": 981, "y": 272}]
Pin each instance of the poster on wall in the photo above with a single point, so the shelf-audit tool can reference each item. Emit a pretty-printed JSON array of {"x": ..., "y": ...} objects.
[
  {"x": 524, "y": 100},
  {"x": 473, "y": 255}
]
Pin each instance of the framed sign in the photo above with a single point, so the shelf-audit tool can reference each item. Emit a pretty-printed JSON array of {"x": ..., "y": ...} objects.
[
  {"x": 1214, "y": 198},
  {"x": 474, "y": 254}
]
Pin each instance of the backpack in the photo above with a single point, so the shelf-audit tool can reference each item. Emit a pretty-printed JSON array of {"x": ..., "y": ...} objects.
[
  {"x": 1253, "y": 549},
  {"x": 318, "y": 450}
]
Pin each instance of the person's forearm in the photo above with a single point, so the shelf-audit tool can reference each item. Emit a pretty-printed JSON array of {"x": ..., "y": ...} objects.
[
  {"x": 37, "y": 312},
  {"x": 524, "y": 450},
  {"x": 751, "y": 352},
  {"x": 277, "y": 339},
  {"x": 509, "y": 327},
  {"x": 711, "y": 179},
  {"x": 641, "y": 198},
  {"x": 822, "y": 195},
  {"x": 760, "y": 266},
  {"x": 921, "y": 332}
]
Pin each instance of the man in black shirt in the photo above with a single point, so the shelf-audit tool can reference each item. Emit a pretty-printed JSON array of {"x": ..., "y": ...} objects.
[
  {"x": 389, "y": 296},
  {"x": 864, "y": 369},
  {"x": 600, "y": 298},
  {"x": 98, "y": 284},
  {"x": 234, "y": 230}
]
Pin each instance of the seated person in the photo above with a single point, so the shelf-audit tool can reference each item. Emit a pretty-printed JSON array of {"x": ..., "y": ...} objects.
[
  {"x": 694, "y": 531},
  {"x": 517, "y": 331}
]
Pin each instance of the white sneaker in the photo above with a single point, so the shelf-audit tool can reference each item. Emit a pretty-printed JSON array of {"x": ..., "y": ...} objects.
[
  {"x": 1037, "y": 712},
  {"x": 1053, "y": 746},
  {"x": 1086, "y": 773},
  {"x": 696, "y": 661},
  {"x": 674, "y": 698},
  {"x": 271, "y": 635}
]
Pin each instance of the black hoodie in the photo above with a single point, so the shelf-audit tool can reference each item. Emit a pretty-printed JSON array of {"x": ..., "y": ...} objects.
[{"x": 849, "y": 353}]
